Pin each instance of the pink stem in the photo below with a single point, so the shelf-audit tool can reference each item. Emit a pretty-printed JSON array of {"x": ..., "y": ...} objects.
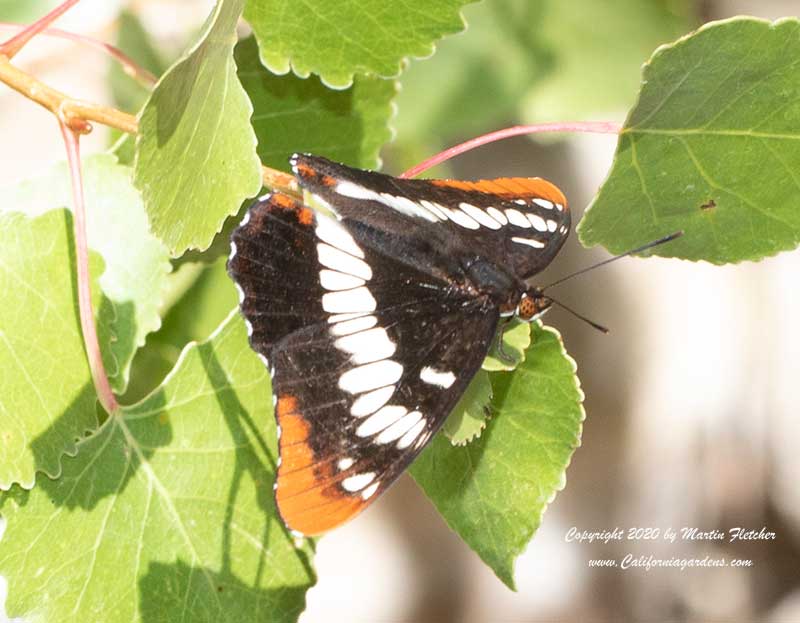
[
  {"x": 597, "y": 127},
  {"x": 129, "y": 66},
  {"x": 98, "y": 370},
  {"x": 18, "y": 41}
]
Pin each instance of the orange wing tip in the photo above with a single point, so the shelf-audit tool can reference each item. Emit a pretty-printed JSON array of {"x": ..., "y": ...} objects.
[
  {"x": 315, "y": 512},
  {"x": 509, "y": 188}
]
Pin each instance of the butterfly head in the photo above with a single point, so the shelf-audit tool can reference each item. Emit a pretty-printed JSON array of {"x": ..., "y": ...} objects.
[{"x": 532, "y": 304}]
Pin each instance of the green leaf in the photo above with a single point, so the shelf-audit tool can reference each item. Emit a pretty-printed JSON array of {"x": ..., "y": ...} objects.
[
  {"x": 136, "y": 262},
  {"x": 199, "y": 297},
  {"x": 468, "y": 418},
  {"x": 516, "y": 339},
  {"x": 494, "y": 490},
  {"x": 596, "y": 51},
  {"x": 712, "y": 148},
  {"x": 47, "y": 399},
  {"x": 338, "y": 39},
  {"x": 196, "y": 152},
  {"x": 168, "y": 508},
  {"x": 132, "y": 38},
  {"x": 295, "y": 115}
]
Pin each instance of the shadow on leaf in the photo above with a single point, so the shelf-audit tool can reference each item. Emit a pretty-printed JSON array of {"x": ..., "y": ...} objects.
[{"x": 181, "y": 592}]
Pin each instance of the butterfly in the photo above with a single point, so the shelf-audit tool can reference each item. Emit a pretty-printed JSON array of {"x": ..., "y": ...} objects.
[{"x": 374, "y": 312}]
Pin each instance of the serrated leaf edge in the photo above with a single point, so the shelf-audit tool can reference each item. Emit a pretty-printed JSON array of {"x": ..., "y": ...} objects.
[
  {"x": 286, "y": 63},
  {"x": 626, "y": 129}
]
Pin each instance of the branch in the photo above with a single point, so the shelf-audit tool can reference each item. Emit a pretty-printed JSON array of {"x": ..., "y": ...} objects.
[
  {"x": 278, "y": 180},
  {"x": 597, "y": 127},
  {"x": 75, "y": 114},
  {"x": 101, "y": 384}
]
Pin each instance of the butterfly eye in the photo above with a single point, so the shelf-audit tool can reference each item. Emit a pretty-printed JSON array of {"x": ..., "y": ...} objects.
[{"x": 532, "y": 306}]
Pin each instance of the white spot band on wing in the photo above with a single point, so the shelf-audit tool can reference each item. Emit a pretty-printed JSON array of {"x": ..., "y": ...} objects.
[
  {"x": 517, "y": 218},
  {"x": 399, "y": 428},
  {"x": 371, "y": 376},
  {"x": 346, "y": 327},
  {"x": 366, "y": 346},
  {"x": 537, "y": 222},
  {"x": 369, "y": 491},
  {"x": 332, "y": 232},
  {"x": 435, "y": 377},
  {"x": 401, "y": 204},
  {"x": 334, "y": 258},
  {"x": 461, "y": 218},
  {"x": 497, "y": 215},
  {"x": 356, "y": 191},
  {"x": 334, "y": 280},
  {"x": 479, "y": 215},
  {"x": 407, "y": 439},
  {"x": 358, "y": 482},
  {"x": 348, "y": 301},
  {"x": 536, "y": 244},
  {"x": 371, "y": 401},
  {"x": 381, "y": 419}
]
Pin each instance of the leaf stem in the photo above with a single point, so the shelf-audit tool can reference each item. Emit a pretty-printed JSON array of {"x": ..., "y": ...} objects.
[
  {"x": 74, "y": 113},
  {"x": 10, "y": 48},
  {"x": 596, "y": 127},
  {"x": 129, "y": 66},
  {"x": 92, "y": 344}
]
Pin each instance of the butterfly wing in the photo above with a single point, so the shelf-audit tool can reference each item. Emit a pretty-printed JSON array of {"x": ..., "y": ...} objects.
[
  {"x": 518, "y": 223},
  {"x": 366, "y": 355}
]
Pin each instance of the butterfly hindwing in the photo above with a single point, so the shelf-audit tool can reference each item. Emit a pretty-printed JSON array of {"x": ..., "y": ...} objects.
[
  {"x": 367, "y": 351},
  {"x": 518, "y": 223},
  {"x": 273, "y": 263}
]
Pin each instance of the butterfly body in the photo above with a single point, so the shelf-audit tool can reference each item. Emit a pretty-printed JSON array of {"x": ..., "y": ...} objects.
[{"x": 374, "y": 320}]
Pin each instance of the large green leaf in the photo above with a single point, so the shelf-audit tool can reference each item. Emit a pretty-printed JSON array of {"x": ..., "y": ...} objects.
[
  {"x": 47, "y": 400},
  {"x": 199, "y": 297},
  {"x": 136, "y": 262},
  {"x": 494, "y": 490},
  {"x": 168, "y": 508},
  {"x": 196, "y": 152},
  {"x": 711, "y": 148},
  {"x": 295, "y": 115},
  {"x": 338, "y": 39}
]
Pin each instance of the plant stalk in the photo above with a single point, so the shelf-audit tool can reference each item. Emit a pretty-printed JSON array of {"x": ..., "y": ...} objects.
[
  {"x": 596, "y": 127},
  {"x": 99, "y": 376}
]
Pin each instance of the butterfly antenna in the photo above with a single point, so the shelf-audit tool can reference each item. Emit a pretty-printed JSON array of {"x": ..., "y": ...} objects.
[
  {"x": 593, "y": 324},
  {"x": 649, "y": 245}
]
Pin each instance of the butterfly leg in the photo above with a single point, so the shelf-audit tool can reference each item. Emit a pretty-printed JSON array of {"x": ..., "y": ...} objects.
[{"x": 498, "y": 346}]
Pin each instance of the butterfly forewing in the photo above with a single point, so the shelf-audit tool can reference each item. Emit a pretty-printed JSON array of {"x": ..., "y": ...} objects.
[
  {"x": 517, "y": 223},
  {"x": 369, "y": 354}
]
